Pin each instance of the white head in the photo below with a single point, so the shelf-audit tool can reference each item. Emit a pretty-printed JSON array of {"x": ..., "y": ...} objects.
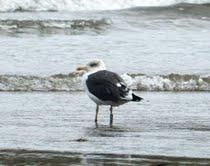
[{"x": 92, "y": 66}]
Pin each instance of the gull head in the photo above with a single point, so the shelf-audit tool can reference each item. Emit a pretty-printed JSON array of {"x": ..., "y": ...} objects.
[{"x": 92, "y": 66}]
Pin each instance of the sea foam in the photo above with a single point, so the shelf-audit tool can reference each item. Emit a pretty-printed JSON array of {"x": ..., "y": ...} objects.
[
  {"x": 72, "y": 82},
  {"x": 75, "y": 5}
]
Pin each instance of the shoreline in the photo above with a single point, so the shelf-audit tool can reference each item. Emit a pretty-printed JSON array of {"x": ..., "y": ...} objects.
[
  {"x": 23, "y": 156},
  {"x": 164, "y": 124}
]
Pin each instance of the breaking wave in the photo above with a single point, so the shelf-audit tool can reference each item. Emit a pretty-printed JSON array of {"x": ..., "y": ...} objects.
[
  {"x": 72, "y": 82},
  {"x": 75, "y": 5},
  {"x": 53, "y": 26},
  {"x": 171, "y": 82}
]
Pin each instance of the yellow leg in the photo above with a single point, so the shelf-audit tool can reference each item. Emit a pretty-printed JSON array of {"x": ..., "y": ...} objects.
[
  {"x": 96, "y": 117},
  {"x": 111, "y": 116}
]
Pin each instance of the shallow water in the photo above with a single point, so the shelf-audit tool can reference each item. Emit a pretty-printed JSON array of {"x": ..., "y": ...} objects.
[{"x": 169, "y": 124}]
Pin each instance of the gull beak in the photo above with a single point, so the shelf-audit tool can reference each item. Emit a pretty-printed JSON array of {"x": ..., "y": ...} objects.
[{"x": 81, "y": 70}]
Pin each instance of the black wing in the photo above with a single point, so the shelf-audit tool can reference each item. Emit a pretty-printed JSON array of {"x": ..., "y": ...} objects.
[{"x": 107, "y": 86}]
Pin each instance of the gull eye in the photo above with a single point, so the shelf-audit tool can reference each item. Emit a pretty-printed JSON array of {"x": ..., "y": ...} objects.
[{"x": 93, "y": 64}]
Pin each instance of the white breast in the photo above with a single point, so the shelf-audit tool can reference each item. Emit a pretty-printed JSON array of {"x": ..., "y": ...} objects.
[{"x": 90, "y": 95}]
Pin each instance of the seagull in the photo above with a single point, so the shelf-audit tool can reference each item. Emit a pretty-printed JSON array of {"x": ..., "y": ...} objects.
[{"x": 105, "y": 87}]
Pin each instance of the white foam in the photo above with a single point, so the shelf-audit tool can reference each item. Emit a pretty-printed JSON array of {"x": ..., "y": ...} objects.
[
  {"x": 72, "y": 82},
  {"x": 75, "y": 5},
  {"x": 128, "y": 80},
  {"x": 161, "y": 83}
]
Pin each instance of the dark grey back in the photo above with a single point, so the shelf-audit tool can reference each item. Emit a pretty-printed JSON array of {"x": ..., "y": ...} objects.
[{"x": 103, "y": 85}]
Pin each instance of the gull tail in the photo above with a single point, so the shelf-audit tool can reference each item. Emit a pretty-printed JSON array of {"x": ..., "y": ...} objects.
[{"x": 136, "y": 98}]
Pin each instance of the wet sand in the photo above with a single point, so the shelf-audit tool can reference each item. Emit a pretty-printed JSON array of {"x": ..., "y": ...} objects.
[
  {"x": 34, "y": 157},
  {"x": 165, "y": 128}
]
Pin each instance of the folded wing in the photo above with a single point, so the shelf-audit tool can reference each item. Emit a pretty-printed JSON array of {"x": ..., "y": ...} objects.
[{"x": 108, "y": 86}]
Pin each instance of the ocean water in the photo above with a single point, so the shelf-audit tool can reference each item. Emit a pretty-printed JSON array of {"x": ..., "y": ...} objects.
[
  {"x": 166, "y": 41},
  {"x": 157, "y": 45}
]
